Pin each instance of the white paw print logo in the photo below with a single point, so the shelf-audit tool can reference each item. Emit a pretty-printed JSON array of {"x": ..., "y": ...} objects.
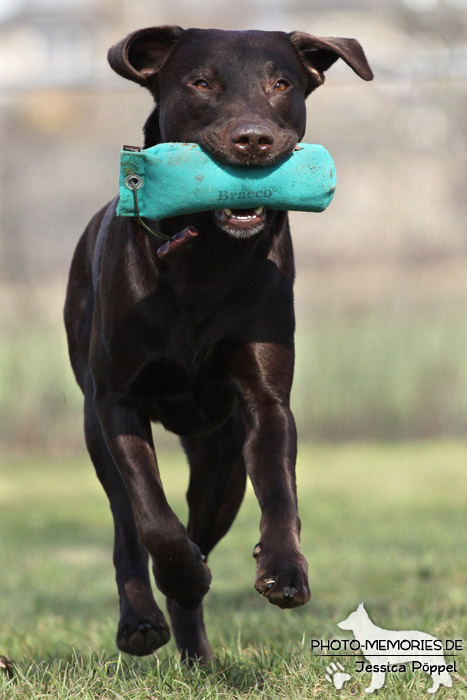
[{"x": 336, "y": 674}]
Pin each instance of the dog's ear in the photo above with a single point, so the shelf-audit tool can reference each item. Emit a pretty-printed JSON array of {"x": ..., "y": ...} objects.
[
  {"x": 142, "y": 54},
  {"x": 319, "y": 53}
]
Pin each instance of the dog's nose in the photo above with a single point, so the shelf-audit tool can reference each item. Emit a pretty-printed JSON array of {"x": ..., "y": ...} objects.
[{"x": 252, "y": 139}]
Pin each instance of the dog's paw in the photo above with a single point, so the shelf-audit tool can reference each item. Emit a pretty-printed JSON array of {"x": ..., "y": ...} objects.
[
  {"x": 142, "y": 636},
  {"x": 7, "y": 666},
  {"x": 182, "y": 574},
  {"x": 336, "y": 674},
  {"x": 282, "y": 578}
]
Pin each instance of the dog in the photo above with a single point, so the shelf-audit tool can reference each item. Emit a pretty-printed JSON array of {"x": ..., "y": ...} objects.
[
  {"x": 378, "y": 641},
  {"x": 198, "y": 333}
]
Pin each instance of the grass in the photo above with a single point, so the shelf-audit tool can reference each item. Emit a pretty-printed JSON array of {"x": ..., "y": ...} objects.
[
  {"x": 392, "y": 376},
  {"x": 381, "y": 524}
]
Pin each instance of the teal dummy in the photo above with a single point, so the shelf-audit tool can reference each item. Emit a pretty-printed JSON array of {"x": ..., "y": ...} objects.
[{"x": 180, "y": 178}]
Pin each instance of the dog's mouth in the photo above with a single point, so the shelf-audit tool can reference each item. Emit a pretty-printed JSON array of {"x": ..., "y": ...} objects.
[{"x": 241, "y": 223}]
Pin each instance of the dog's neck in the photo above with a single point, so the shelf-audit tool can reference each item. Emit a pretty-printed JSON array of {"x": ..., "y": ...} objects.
[
  {"x": 151, "y": 129},
  {"x": 365, "y": 626}
]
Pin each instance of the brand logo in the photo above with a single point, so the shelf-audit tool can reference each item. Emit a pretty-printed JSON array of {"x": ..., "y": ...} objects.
[
  {"x": 388, "y": 651},
  {"x": 225, "y": 195}
]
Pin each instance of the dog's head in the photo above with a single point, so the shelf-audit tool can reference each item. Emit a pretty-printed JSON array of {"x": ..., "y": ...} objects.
[
  {"x": 239, "y": 95},
  {"x": 355, "y": 620}
]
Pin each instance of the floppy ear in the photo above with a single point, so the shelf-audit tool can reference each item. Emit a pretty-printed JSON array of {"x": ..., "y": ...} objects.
[
  {"x": 319, "y": 53},
  {"x": 142, "y": 54}
]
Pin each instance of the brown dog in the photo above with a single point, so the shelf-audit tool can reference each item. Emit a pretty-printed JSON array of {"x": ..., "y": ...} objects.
[{"x": 198, "y": 333}]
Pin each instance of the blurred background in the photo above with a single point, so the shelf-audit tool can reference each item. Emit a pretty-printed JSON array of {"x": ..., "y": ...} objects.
[{"x": 381, "y": 276}]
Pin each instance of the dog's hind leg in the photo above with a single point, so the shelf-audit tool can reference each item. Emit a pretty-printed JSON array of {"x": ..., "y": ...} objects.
[
  {"x": 217, "y": 482},
  {"x": 142, "y": 627},
  {"x": 216, "y": 490},
  {"x": 439, "y": 678}
]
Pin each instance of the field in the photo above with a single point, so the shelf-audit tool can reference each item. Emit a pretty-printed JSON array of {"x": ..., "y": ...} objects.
[{"x": 384, "y": 524}]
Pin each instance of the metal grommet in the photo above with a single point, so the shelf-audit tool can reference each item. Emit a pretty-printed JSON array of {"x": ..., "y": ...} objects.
[{"x": 133, "y": 182}]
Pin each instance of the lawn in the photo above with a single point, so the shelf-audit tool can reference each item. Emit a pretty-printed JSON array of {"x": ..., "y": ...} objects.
[{"x": 383, "y": 524}]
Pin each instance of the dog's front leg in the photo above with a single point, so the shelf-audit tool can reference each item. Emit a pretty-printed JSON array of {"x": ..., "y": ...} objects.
[
  {"x": 263, "y": 373},
  {"x": 179, "y": 569},
  {"x": 377, "y": 681}
]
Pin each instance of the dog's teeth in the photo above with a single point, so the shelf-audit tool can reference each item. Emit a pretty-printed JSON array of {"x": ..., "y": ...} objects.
[{"x": 236, "y": 215}]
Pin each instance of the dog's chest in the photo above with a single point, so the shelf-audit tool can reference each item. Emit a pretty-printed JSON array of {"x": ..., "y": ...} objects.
[{"x": 186, "y": 400}]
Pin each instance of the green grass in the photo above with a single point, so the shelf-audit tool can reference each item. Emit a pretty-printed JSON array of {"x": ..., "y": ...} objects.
[
  {"x": 381, "y": 524},
  {"x": 40, "y": 403},
  {"x": 382, "y": 376}
]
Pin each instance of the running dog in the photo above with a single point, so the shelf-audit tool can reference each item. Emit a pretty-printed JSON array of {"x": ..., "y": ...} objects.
[{"x": 198, "y": 334}]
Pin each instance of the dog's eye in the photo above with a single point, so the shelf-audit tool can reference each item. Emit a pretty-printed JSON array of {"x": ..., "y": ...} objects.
[
  {"x": 201, "y": 84},
  {"x": 281, "y": 85}
]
